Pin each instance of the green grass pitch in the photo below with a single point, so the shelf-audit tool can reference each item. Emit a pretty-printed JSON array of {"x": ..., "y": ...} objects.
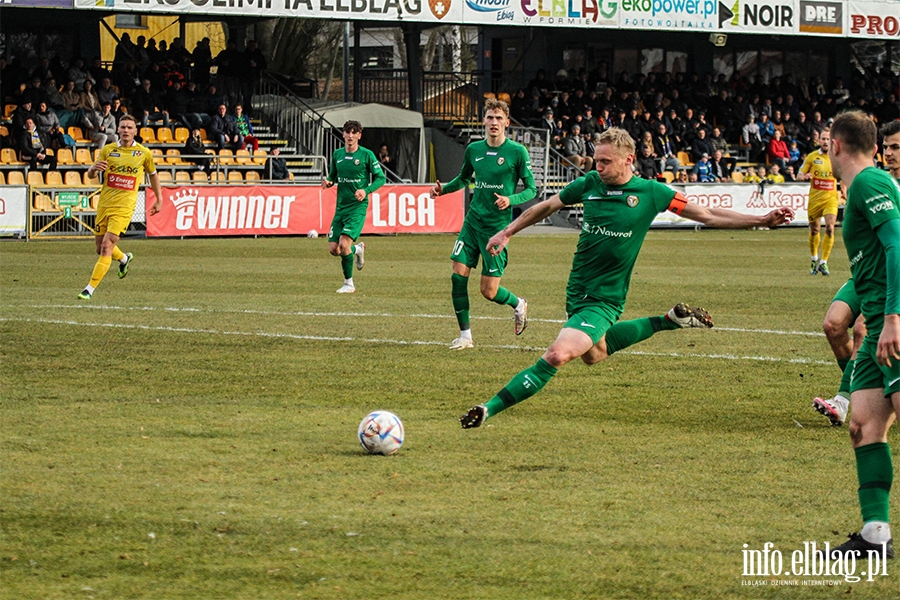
[{"x": 191, "y": 431}]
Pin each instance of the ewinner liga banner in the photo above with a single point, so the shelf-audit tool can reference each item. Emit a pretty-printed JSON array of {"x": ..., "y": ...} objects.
[
  {"x": 296, "y": 210},
  {"x": 872, "y": 18}
]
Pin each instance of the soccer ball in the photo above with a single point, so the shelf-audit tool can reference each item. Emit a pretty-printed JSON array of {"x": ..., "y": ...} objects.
[
  {"x": 381, "y": 432},
  {"x": 312, "y": 234}
]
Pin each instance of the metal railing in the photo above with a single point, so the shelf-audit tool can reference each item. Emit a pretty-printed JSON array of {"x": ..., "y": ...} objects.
[
  {"x": 551, "y": 170},
  {"x": 446, "y": 95}
]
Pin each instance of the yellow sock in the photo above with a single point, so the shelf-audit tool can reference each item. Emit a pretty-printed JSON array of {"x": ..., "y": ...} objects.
[
  {"x": 117, "y": 254},
  {"x": 827, "y": 245},
  {"x": 100, "y": 270},
  {"x": 814, "y": 244}
]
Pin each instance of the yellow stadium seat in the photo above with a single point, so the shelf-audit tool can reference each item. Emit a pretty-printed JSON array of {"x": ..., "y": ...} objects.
[
  {"x": 8, "y": 157},
  {"x": 737, "y": 177},
  {"x": 226, "y": 157},
  {"x": 259, "y": 157},
  {"x": 64, "y": 156},
  {"x": 215, "y": 176},
  {"x": 96, "y": 154},
  {"x": 173, "y": 157},
  {"x": 199, "y": 176},
  {"x": 243, "y": 157},
  {"x": 83, "y": 156},
  {"x": 182, "y": 176},
  {"x": 235, "y": 176},
  {"x": 251, "y": 176},
  {"x": 182, "y": 134},
  {"x": 669, "y": 176},
  {"x": 203, "y": 135},
  {"x": 15, "y": 178},
  {"x": 2, "y": 178},
  {"x": 4, "y": 131},
  {"x": 164, "y": 136},
  {"x": 77, "y": 134},
  {"x": 35, "y": 178},
  {"x": 165, "y": 177},
  {"x": 8, "y": 111},
  {"x": 95, "y": 180},
  {"x": 73, "y": 178},
  {"x": 42, "y": 203},
  {"x": 54, "y": 178},
  {"x": 157, "y": 154},
  {"x": 147, "y": 135}
]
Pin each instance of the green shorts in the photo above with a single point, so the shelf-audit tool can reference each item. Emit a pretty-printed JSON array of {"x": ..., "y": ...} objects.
[
  {"x": 347, "y": 223},
  {"x": 472, "y": 243},
  {"x": 591, "y": 316},
  {"x": 868, "y": 374},
  {"x": 847, "y": 295}
]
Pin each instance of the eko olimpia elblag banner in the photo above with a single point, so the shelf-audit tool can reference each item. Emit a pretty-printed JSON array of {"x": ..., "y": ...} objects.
[{"x": 872, "y": 20}]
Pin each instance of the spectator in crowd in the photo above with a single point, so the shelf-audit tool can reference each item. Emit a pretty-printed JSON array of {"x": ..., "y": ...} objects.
[
  {"x": 78, "y": 73},
  {"x": 575, "y": 152},
  {"x": 254, "y": 61},
  {"x": 681, "y": 176},
  {"x": 194, "y": 151},
  {"x": 88, "y": 99},
  {"x": 245, "y": 128},
  {"x": 750, "y": 176},
  {"x": 589, "y": 124},
  {"x": 796, "y": 158},
  {"x": 23, "y": 112},
  {"x": 774, "y": 175},
  {"x": 224, "y": 131},
  {"x": 213, "y": 99},
  {"x": 665, "y": 149},
  {"x": 777, "y": 151},
  {"x": 387, "y": 161},
  {"x": 178, "y": 102},
  {"x": 228, "y": 63},
  {"x": 276, "y": 167},
  {"x": 701, "y": 146},
  {"x": 646, "y": 164},
  {"x": 105, "y": 91},
  {"x": 117, "y": 111},
  {"x": 33, "y": 93},
  {"x": 54, "y": 98},
  {"x": 70, "y": 113},
  {"x": 721, "y": 170},
  {"x": 703, "y": 170},
  {"x": 646, "y": 140},
  {"x": 34, "y": 146},
  {"x": 202, "y": 58},
  {"x": 766, "y": 128},
  {"x": 520, "y": 110},
  {"x": 750, "y": 137},
  {"x": 539, "y": 83},
  {"x": 147, "y": 104},
  {"x": 103, "y": 125},
  {"x": 790, "y": 173},
  {"x": 97, "y": 70},
  {"x": 717, "y": 141},
  {"x": 48, "y": 125}
]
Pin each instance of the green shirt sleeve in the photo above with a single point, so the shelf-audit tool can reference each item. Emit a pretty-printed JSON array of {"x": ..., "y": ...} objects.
[
  {"x": 377, "y": 172},
  {"x": 464, "y": 178},
  {"x": 572, "y": 193},
  {"x": 527, "y": 177},
  {"x": 889, "y": 234}
]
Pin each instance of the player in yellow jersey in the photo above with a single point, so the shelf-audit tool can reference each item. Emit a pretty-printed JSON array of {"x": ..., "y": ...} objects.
[
  {"x": 823, "y": 202},
  {"x": 122, "y": 166}
]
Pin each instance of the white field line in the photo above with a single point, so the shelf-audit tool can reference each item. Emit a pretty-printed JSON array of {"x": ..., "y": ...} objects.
[
  {"x": 368, "y": 315},
  {"x": 263, "y": 334}
]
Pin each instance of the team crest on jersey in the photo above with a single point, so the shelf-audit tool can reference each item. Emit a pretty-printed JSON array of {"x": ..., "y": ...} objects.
[
  {"x": 818, "y": 161},
  {"x": 632, "y": 201},
  {"x": 356, "y": 162},
  {"x": 501, "y": 160}
]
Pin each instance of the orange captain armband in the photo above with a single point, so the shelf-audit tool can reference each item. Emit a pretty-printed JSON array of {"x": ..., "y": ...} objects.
[{"x": 678, "y": 203}]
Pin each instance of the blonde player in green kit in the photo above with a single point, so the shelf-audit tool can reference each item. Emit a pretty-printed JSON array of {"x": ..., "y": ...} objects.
[
  {"x": 352, "y": 168},
  {"x": 496, "y": 165}
]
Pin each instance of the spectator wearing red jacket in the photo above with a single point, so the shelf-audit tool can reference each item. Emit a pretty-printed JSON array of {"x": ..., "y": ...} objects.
[{"x": 777, "y": 151}]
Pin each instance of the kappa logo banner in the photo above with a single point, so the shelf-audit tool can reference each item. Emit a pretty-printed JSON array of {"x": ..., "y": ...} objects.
[
  {"x": 749, "y": 199},
  {"x": 295, "y": 210},
  {"x": 879, "y": 20}
]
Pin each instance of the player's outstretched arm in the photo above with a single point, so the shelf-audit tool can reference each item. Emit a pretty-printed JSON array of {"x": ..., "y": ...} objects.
[
  {"x": 729, "y": 219},
  {"x": 535, "y": 214}
]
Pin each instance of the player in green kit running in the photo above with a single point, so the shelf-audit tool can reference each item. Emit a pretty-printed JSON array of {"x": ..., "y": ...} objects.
[
  {"x": 871, "y": 232},
  {"x": 618, "y": 211},
  {"x": 496, "y": 164},
  {"x": 352, "y": 169}
]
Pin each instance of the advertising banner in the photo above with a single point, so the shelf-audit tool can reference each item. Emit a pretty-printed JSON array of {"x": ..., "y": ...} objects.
[
  {"x": 665, "y": 15},
  {"x": 40, "y": 3},
  {"x": 822, "y": 18},
  {"x": 744, "y": 198},
  {"x": 13, "y": 210},
  {"x": 748, "y": 16},
  {"x": 878, "y": 20},
  {"x": 296, "y": 210}
]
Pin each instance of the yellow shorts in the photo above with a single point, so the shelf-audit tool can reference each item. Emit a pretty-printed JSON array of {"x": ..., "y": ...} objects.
[
  {"x": 113, "y": 220},
  {"x": 820, "y": 208}
]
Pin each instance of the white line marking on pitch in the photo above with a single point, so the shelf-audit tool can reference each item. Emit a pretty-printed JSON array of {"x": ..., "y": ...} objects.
[
  {"x": 300, "y": 313},
  {"x": 295, "y": 336}
]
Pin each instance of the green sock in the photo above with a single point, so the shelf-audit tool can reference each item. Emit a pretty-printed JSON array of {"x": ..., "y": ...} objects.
[
  {"x": 844, "y": 390},
  {"x": 504, "y": 296},
  {"x": 347, "y": 265},
  {"x": 521, "y": 387},
  {"x": 875, "y": 473},
  {"x": 628, "y": 333},
  {"x": 459, "y": 290}
]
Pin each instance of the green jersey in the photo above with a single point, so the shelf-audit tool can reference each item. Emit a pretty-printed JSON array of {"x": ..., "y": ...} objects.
[
  {"x": 352, "y": 171},
  {"x": 616, "y": 220},
  {"x": 494, "y": 170},
  {"x": 872, "y": 200}
]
